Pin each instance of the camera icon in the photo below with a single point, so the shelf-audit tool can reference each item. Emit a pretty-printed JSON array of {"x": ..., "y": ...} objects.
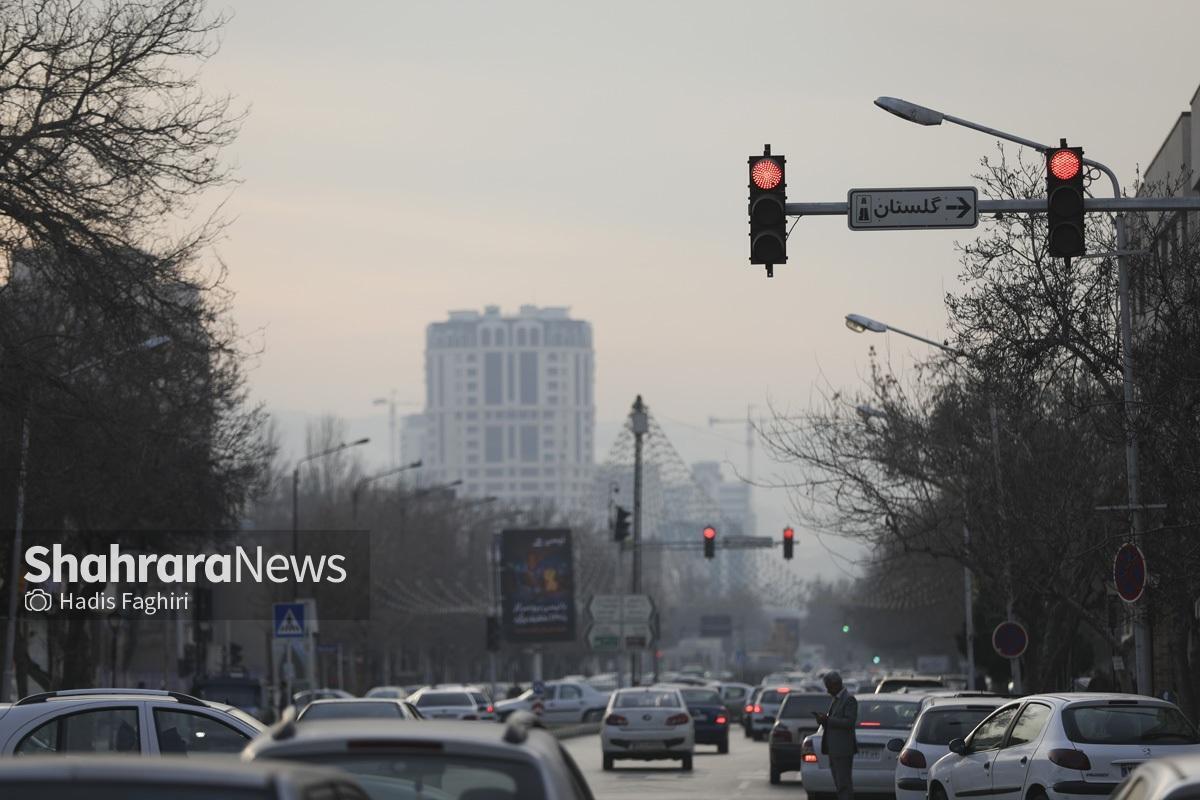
[{"x": 38, "y": 600}]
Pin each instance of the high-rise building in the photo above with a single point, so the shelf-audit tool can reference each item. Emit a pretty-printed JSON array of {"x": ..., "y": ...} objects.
[{"x": 509, "y": 406}]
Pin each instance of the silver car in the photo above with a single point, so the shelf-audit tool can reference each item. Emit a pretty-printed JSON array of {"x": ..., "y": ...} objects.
[
  {"x": 1162, "y": 778},
  {"x": 134, "y": 721},
  {"x": 178, "y": 778},
  {"x": 432, "y": 760}
]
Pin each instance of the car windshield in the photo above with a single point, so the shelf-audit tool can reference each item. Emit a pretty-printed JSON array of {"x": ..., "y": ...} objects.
[
  {"x": 706, "y": 697},
  {"x": 647, "y": 699},
  {"x": 940, "y": 726},
  {"x": 351, "y": 711},
  {"x": 82, "y": 789},
  {"x": 802, "y": 706},
  {"x": 444, "y": 699},
  {"x": 890, "y": 714},
  {"x": 437, "y": 776},
  {"x": 1128, "y": 724}
]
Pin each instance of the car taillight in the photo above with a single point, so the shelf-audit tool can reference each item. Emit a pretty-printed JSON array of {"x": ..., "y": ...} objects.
[
  {"x": 810, "y": 754},
  {"x": 749, "y": 709},
  {"x": 868, "y": 724},
  {"x": 615, "y": 719},
  {"x": 678, "y": 719},
  {"x": 757, "y": 709},
  {"x": 491, "y": 709},
  {"x": 913, "y": 758},
  {"x": 721, "y": 720},
  {"x": 1070, "y": 759},
  {"x": 781, "y": 734}
]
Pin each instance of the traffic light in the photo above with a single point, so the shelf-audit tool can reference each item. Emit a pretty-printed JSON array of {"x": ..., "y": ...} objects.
[
  {"x": 768, "y": 212},
  {"x": 493, "y": 634},
  {"x": 845, "y": 629},
  {"x": 710, "y": 542},
  {"x": 789, "y": 541},
  {"x": 621, "y": 525},
  {"x": 1064, "y": 200}
]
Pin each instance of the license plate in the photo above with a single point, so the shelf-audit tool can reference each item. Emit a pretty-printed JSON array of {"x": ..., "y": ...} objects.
[
  {"x": 647, "y": 746},
  {"x": 873, "y": 754}
]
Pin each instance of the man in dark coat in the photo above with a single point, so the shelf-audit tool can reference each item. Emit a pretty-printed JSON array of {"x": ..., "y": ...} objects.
[{"x": 838, "y": 740}]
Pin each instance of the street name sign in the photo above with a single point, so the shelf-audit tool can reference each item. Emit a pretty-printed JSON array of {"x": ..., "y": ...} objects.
[
  {"x": 603, "y": 637},
  {"x": 637, "y": 608},
  {"x": 637, "y": 635},
  {"x": 606, "y": 608},
  {"x": 918, "y": 208}
]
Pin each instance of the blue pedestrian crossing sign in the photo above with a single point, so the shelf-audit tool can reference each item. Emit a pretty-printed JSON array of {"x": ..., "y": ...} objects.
[{"x": 289, "y": 620}]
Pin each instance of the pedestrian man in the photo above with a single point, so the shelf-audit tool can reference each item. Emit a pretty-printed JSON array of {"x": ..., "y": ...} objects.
[{"x": 838, "y": 741}]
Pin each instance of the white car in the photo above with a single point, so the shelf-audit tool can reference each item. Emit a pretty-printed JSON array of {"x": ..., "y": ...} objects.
[
  {"x": 766, "y": 709},
  {"x": 452, "y": 702},
  {"x": 1061, "y": 746},
  {"x": 562, "y": 702},
  {"x": 941, "y": 720},
  {"x": 647, "y": 723},
  {"x": 881, "y": 718}
]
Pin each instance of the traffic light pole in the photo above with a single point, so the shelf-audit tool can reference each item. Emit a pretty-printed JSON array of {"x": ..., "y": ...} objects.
[
  {"x": 1112, "y": 204},
  {"x": 640, "y": 422}
]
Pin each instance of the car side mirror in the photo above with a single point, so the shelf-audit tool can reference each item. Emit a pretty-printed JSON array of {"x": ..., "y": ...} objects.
[
  {"x": 895, "y": 745},
  {"x": 958, "y": 746}
]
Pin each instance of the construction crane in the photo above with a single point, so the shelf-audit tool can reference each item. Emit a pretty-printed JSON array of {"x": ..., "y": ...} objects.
[{"x": 748, "y": 421}]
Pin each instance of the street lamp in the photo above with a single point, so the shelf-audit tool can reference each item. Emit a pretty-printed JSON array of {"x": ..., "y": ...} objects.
[
  {"x": 927, "y": 116},
  {"x": 859, "y": 323},
  {"x": 296, "y": 497},
  {"x": 358, "y": 487},
  {"x": 14, "y": 572}
]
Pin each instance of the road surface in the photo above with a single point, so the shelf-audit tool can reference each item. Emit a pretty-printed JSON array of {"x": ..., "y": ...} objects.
[{"x": 741, "y": 774}]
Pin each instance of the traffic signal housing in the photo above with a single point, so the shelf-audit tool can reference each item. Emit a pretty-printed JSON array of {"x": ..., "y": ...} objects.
[
  {"x": 768, "y": 210},
  {"x": 789, "y": 542},
  {"x": 710, "y": 542},
  {"x": 621, "y": 525},
  {"x": 1064, "y": 201}
]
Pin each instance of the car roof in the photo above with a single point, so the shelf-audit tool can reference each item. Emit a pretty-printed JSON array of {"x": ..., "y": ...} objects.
[
  {"x": 337, "y": 701},
  {"x": 175, "y": 770},
  {"x": 335, "y": 736},
  {"x": 898, "y": 697},
  {"x": 1100, "y": 698}
]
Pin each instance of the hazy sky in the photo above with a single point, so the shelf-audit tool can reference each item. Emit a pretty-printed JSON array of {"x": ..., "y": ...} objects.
[{"x": 401, "y": 159}]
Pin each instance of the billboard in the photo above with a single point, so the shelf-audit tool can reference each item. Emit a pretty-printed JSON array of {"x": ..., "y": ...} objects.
[{"x": 537, "y": 585}]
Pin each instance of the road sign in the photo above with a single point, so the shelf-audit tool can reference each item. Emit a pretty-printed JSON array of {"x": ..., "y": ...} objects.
[
  {"x": 1010, "y": 639},
  {"x": 289, "y": 620},
  {"x": 913, "y": 208},
  {"x": 637, "y": 608},
  {"x": 1129, "y": 572},
  {"x": 637, "y": 635},
  {"x": 603, "y": 637},
  {"x": 606, "y": 608}
]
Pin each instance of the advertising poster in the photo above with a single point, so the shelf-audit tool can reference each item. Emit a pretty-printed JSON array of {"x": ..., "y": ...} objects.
[{"x": 537, "y": 585}]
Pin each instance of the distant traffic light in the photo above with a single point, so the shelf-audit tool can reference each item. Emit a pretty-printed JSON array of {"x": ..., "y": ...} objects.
[
  {"x": 789, "y": 542},
  {"x": 768, "y": 211},
  {"x": 1064, "y": 201},
  {"x": 621, "y": 525},
  {"x": 875, "y": 660},
  {"x": 845, "y": 629},
  {"x": 493, "y": 634},
  {"x": 710, "y": 542}
]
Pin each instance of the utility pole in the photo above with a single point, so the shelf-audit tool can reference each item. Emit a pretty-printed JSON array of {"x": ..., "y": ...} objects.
[
  {"x": 1014, "y": 663},
  {"x": 640, "y": 421}
]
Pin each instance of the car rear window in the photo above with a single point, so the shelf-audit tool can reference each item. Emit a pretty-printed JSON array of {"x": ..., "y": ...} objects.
[
  {"x": 802, "y": 706},
  {"x": 896, "y": 684},
  {"x": 445, "y": 699},
  {"x": 84, "y": 789},
  {"x": 772, "y": 697},
  {"x": 890, "y": 714},
  {"x": 451, "y": 776},
  {"x": 940, "y": 726},
  {"x": 351, "y": 711},
  {"x": 480, "y": 698},
  {"x": 647, "y": 699},
  {"x": 701, "y": 696},
  {"x": 1128, "y": 724}
]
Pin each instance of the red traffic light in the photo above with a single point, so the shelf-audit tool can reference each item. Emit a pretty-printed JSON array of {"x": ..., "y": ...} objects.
[
  {"x": 710, "y": 532},
  {"x": 766, "y": 174},
  {"x": 1063, "y": 164},
  {"x": 789, "y": 534}
]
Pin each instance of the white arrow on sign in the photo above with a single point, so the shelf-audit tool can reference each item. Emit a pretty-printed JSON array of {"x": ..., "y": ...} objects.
[{"x": 912, "y": 208}]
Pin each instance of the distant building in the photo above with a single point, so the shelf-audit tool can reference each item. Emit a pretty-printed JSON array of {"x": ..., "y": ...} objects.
[{"x": 509, "y": 406}]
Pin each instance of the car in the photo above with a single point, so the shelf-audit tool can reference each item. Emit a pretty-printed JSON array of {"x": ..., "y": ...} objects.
[
  {"x": 915, "y": 684},
  {"x": 766, "y": 709},
  {"x": 360, "y": 708},
  {"x": 563, "y": 702},
  {"x": 647, "y": 723},
  {"x": 436, "y": 760},
  {"x": 941, "y": 719},
  {"x": 135, "y": 721},
  {"x": 735, "y": 696},
  {"x": 794, "y": 722},
  {"x": 1060, "y": 746},
  {"x": 301, "y": 699},
  {"x": 882, "y": 718},
  {"x": 178, "y": 777},
  {"x": 748, "y": 710},
  {"x": 709, "y": 715},
  {"x": 453, "y": 702},
  {"x": 395, "y": 692},
  {"x": 1176, "y": 777}
]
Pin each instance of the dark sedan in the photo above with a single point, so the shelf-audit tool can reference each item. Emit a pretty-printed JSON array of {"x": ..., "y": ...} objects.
[{"x": 710, "y": 718}]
